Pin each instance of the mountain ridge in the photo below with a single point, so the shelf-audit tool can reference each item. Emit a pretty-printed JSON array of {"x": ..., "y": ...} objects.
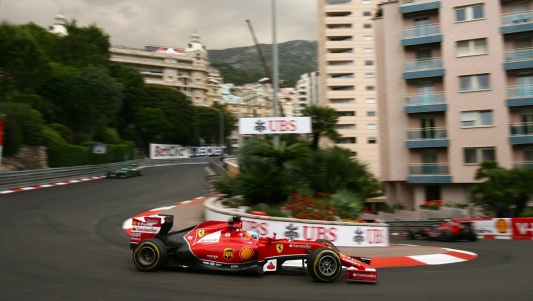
[{"x": 240, "y": 65}]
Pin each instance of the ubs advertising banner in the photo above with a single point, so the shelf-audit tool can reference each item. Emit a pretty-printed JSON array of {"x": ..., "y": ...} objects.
[
  {"x": 174, "y": 151},
  {"x": 275, "y": 125}
]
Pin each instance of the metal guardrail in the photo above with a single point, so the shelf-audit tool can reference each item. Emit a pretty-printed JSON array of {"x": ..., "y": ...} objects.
[{"x": 26, "y": 178}]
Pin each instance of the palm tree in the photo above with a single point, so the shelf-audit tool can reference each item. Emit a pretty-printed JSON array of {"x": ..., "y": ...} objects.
[{"x": 323, "y": 121}]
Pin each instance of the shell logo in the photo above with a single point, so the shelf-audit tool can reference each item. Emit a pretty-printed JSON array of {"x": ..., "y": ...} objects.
[
  {"x": 501, "y": 225},
  {"x": 246, "y": 253}
]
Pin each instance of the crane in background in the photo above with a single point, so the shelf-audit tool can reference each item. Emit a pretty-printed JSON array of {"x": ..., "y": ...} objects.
[{"x": 262, "y": 58}]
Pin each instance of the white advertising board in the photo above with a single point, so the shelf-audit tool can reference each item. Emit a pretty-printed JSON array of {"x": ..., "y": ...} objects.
[
  {"x": 341, "y": 235},
  {"x": 274, "y": 125}
]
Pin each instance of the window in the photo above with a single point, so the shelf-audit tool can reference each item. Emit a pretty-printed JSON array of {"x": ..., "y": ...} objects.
[
  {"x": 367, "y": 25},
  {"x": 370, "y": 88},
  {"x": 342, "y": 100},
  {"x": 368, "y": 50},
  {"x": 468, "y": 13},
  {"x": 368, "y": 38},
  {"x": 476, "y": 82},
  {"x": 366, "y": 1},
  {"x": 476, "y": 155},
  {"x": 342, "y": 88},
  {"x": 369, "y": 75},
  {"x": 476, "y": 118},
  {"x": 345, "y": 127},
  {"x": 367, "y": 14},
  {"x": 370, "y": 100},
  {"x": 371, "y": 113},
  {"x": 372, "y": 140},
  {"x": 472, "y": 47},
  {"x": 371, "y": 126},
  {"x": 346, "y": 113},
  {"x": 369, "y": 63},
  {"x": 340, "y": 63},
  {"x": 341, "y": 75},
  {"x": 346, "y": 140}
]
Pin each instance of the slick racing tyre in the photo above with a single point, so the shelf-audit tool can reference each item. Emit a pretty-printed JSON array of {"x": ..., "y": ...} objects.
[
  {"x": 446, "y": 235},
  {"x": 324, "y": 265},
  {"x": 329, "y": 243},
  {"x": 150, "y": 255},
  {"x": 411, "y": 234}
]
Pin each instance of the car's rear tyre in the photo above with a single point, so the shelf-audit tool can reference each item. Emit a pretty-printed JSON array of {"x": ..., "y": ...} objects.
[
  {"x": 411, "y": 234},
  {"x": 324, "y": 265},
  {"x": 472, "y": 236},
  {"x": 446, "y": 235},
  {"x": 329, "y": 243},
  {"x": 150, "y": 255}
]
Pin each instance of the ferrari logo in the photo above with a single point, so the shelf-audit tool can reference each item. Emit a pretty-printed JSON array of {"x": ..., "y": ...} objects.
[
  {"x": 279, "y": 248},
  {"x": 201, "y": 233},
  {"x": 228, "y": 253}
]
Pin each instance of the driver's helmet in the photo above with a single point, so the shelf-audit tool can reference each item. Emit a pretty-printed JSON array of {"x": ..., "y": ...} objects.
[{"x": 251, "y": 234}]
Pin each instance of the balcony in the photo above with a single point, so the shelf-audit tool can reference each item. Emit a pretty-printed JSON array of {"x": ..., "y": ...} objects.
[
  {"x": 518, "y": 59},
  {"x": 520, "y": 96},
  {"x": 521, "y": 133},
  {"x": 421, "y": 103},
  {"x": 423, "y": 69},
  {"x": 427, "y": 137},
  {"x": 523, "y": 164},
  {"x": 412, "y": 6},
  {"x": 517, "y": 22},
  {"x": 429, "y": 173},
  {"x": 421, "y": 35}
]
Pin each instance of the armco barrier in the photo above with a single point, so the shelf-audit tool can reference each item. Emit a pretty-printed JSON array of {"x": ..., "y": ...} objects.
[
  {"x": 342, "y": 234},
  {"x": 15, "y": 179}
]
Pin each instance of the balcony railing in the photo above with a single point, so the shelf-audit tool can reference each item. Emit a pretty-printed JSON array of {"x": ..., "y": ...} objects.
[
  {"x": 524, "y": 54},
  {"x": 421, "y": 31},
  {"x": 425, "y": 99},
  {"x": 521, "y": 91},
  {"x": 521, "y": 129},
  {"x": 523, "y": 164},
  {"x": 430, "y": 133},
  {"x": 517, "y": 18},
  {"x": 422, "y": 65},
  {"x": 429, "y": 169}
]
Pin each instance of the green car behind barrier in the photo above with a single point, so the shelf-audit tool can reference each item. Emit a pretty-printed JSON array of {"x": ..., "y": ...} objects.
[{"x": 125, "y": 172}]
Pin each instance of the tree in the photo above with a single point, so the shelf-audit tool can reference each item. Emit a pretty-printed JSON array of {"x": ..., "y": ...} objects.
[
  {"x": 178, "y": 111},
  {"x": 504, "y": 192},
  {"x": 96, "y": 97},
  {"x": 333, "y": 169},
  {"x": 268, "y": 170},
  {"x": 22, "y": 125},
  {"x": 133, "y": 91},
  {"x": 208, "y": 123},
  {"x": 23, "y": 66},
  {"x": 84, "y": 46},
  {"x": 323, "y": 122}
]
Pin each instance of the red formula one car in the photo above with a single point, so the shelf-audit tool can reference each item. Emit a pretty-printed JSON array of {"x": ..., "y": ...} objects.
[
  {"x": 450, "y": 230},
  {"x": 225, "y": 246}
]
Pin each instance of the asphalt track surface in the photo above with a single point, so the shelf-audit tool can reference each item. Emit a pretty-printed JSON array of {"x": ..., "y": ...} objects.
[{"x": 67, "y": 243}]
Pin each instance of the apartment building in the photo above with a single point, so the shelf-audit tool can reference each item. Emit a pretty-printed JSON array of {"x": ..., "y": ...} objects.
[
  {"x": 346, "y": 61},
  {"x": 455, "y": 82},
  {"x": 307, "y": 88},
  {"x": 187, "y": 70}
]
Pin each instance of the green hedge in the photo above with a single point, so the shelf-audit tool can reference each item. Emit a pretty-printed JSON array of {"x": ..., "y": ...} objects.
[{"x": 63, "y": 154}]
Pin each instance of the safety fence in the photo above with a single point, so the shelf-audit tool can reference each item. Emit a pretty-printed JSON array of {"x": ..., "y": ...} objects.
[{"x": 15, "y": 179}]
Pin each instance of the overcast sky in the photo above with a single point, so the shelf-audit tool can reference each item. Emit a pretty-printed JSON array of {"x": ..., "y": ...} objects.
[{"x": 220, "y": 23}]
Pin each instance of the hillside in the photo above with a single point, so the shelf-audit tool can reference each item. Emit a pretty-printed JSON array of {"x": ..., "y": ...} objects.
[{"x": 241, "y": 65}]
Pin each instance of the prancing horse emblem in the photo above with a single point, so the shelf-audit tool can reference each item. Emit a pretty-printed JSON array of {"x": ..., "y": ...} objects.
[
  {"x": 201, "y": 233},
  {"x": 279, "y": 248}
]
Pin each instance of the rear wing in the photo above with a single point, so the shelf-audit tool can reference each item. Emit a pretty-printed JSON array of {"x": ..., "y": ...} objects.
[{"x": 145, "y": 227}]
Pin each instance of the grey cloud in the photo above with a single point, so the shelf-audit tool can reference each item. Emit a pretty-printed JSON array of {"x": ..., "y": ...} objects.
[{"x": 135, "y": 23}]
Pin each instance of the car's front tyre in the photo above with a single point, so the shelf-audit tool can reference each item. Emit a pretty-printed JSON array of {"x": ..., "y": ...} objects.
[
  {"x": 324, "y": 265},
  {"x": 150, "y": 255}
]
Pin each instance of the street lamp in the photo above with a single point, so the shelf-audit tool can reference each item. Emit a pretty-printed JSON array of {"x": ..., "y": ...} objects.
[{"x": 221, "y": 125}]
